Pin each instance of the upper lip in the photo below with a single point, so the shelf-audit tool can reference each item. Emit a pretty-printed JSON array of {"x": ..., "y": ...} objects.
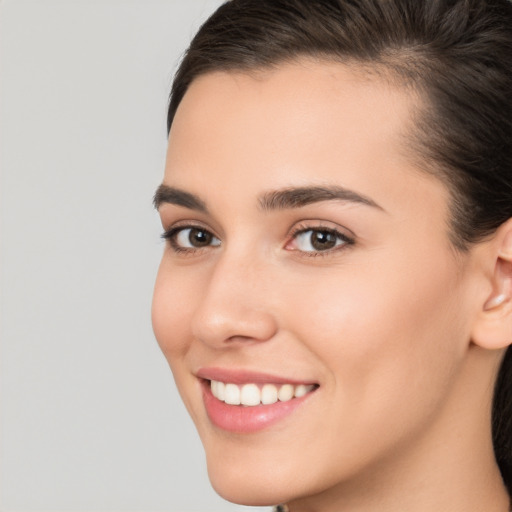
[{"x": 239, "y": 376}]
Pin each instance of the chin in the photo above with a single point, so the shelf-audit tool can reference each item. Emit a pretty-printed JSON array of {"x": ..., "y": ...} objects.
[{"x": 248, "y": 483}]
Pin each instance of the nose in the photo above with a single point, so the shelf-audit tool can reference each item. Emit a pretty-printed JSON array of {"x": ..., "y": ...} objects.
[{"x": 236, "y": 305}]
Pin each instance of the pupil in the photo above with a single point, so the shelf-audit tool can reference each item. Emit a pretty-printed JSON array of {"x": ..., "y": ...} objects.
[
  {"x": 199, "y": 238},
  {"x": 323, "y": 240}
]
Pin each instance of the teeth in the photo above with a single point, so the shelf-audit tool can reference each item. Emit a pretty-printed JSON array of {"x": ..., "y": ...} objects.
[
  {"x": 232, "y": 394},
  {"x": 218, "y": 389},
  {"x": 251, "y": 395},
  {"x": 269, "y": 394},
  {"x": 285, "y": 393},
  {"x": 300, "y": 390},
  {"x": 221, "y": 390}
]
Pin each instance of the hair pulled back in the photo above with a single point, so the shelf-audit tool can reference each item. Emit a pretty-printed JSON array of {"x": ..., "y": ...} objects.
[{"x": 457, "y": 54}]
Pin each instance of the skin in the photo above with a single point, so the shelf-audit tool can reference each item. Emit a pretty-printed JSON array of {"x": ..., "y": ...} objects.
[{"x": 384, "y": 325}]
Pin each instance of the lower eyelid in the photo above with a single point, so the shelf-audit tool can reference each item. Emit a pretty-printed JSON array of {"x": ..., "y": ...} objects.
[
  {"x": 171, "y": 234},
  {"x": 343, "y": 241}
]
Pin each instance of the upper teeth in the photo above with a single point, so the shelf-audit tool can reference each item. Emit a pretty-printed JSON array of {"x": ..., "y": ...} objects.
[{"x": 252, "y": 394}]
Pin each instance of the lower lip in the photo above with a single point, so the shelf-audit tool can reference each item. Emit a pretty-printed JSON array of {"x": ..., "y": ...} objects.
[{"x": 240, "y": 419}]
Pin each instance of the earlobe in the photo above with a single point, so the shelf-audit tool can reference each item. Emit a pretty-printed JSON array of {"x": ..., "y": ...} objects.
[{"x": 493, "y": 327}]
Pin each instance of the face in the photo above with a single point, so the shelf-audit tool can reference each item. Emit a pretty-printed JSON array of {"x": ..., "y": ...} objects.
[{"x": 307, "y": 273}]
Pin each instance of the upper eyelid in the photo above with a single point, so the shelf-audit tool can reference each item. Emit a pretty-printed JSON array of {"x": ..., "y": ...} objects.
[
  {"x": 337, "y": 232},
  {"x": 175, "y": 229},
  {"x": 184, "y": 224},
  {"x": 170, "y": 235},
  {"x": 346, "y": 237},
  {"x": 319, "y": 225},
  {"x": 297, "y": 228}
]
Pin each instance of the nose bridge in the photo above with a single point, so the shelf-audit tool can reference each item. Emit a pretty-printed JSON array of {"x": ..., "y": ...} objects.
[{"x": 235, "y": 302}]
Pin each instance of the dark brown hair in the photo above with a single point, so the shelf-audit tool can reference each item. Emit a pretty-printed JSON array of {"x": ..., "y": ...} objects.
[{"x": 456, "y": 53}]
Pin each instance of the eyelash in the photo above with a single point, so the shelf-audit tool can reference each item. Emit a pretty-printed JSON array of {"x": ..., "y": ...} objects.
[
  {"x": 346, "y": 240},
  {"x": 171, "y": 235}
]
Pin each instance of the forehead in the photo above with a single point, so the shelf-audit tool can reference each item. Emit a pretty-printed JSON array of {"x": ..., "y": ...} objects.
[
  {"x": 291, "y": 125},
  {"x": 304, "y": 90},
  {"x": 305, "y": 101}
]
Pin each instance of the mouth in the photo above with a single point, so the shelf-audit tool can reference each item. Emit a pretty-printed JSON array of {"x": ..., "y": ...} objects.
[
  {"x": 253, "y": 394},
  {"x": 248, "y": 403}
]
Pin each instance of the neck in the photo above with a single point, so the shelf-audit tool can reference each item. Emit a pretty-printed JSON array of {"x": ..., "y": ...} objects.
[{"x": 450, "y": 465}]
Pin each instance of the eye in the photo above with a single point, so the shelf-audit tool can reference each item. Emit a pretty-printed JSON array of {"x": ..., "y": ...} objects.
[
  {"x": 190, "y": 238},
  {"x": 318, "y": 240}
]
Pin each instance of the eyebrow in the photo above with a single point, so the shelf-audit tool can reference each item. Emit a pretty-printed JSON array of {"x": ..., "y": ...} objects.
[
  {"x": 287, "y": 198},
  {"x": 297, "y": 197},
  {"x": 171, "y": 195}
]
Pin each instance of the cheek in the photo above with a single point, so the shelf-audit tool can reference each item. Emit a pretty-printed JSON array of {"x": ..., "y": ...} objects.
[
  {"x": 385, "y": 336},
  {"x": 174, "y": 299},
  {"x": 173, "y": 303}
]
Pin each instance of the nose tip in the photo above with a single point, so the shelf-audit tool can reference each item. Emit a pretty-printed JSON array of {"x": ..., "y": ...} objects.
[
  {"x": 234, "y": 308},
  {"x": 227, "y": 324}
]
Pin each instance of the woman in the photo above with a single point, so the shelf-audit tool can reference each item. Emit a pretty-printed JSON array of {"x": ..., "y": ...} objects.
[{"x": 335, "y": 297}]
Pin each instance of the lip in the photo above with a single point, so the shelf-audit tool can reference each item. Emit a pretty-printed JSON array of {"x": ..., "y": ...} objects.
[
  {"x": 247, "y": 377},
  {"x": 246, "y": 420}
]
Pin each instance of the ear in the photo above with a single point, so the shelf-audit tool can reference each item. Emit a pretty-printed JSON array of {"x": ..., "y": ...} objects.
[{"x": 493, "y": 327}]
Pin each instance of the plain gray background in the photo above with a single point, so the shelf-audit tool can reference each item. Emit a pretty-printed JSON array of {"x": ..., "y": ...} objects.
[{"x": 90, "y": 419}]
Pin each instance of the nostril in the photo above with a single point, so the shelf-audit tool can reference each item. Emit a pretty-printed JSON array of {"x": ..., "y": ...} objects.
[{"x": 222, "y": 325}]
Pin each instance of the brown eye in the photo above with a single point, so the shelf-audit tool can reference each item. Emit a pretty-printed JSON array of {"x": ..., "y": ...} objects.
[
  {"x": 319, "y": 240},
  {"x": 193, "y": 238},
  {"x": 199, "y": 237},
  {"x": 322, "y": 240}
]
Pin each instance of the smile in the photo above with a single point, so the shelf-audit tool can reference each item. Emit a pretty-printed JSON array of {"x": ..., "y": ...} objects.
[
  {"x": 252, "y": 394},
  {"x": 245, "y": 402}
]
